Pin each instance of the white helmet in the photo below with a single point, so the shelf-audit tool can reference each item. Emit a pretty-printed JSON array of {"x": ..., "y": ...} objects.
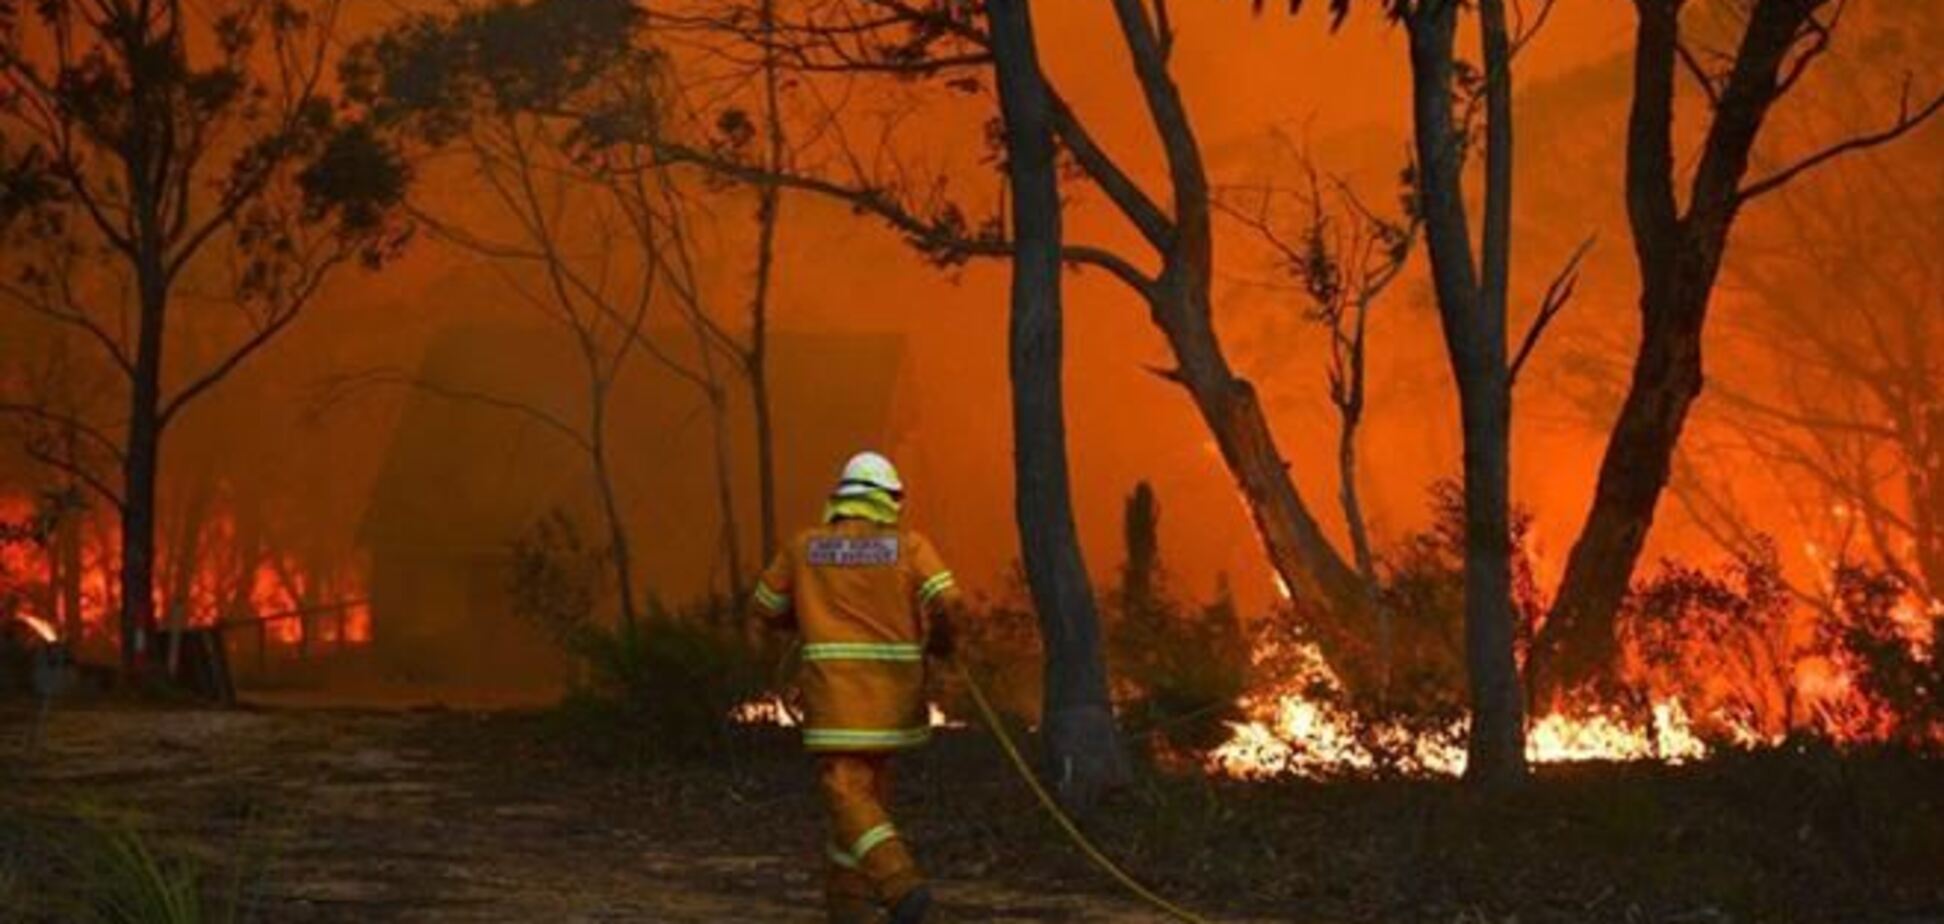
[{"x": 867, "y": 472}]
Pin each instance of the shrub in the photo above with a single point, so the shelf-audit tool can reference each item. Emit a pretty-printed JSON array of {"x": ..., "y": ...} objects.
[
  {"x": 663, "y": 686},
  {"x": 1183, "y": 669},
  {"x": 999, "y": 642}
]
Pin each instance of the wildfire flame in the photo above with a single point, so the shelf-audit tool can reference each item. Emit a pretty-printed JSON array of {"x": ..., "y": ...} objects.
[
  {"x": 772, "y": 710},
  {"x": 41, "y": 627},
  {"x": 230, "y": 582},
  {"x": 1291, "y": 732}
]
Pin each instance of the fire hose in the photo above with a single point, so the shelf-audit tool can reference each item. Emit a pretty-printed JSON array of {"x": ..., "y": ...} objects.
[{"x": 1086, "y": 845}]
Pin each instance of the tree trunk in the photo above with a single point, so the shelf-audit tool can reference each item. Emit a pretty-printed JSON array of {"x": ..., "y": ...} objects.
[
  {"x": 1083, "y": 747},
  {"x": 1301, "y": 554},
  {"x": 758, "y": 372},
  {"x": 1311, "y": 570},
  {"x": 768, "y": 212},
  {"x": 1350, "y": 409},
  {"x": 1473, "y": 314},
  {"x": 184, "y": 551},
  {"x": 620, "y": 552},
  {"x": 1577, "y": 643},
  {"x": 1334, "y": 599},
  {"x": 1348, "y": 496},
  {"x": 726, "y": 487},
  {"x": 1679, "y": 258},
  {"x": 141, "y": 467},
  {"x": 1141, "y": 539}
]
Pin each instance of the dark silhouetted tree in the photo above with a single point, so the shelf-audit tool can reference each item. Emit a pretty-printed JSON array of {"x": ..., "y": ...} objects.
[
  {"x": 1083, "y": 746},
  {"x": 153, "y": 143},
  {"x": 1679, "y": 249}
]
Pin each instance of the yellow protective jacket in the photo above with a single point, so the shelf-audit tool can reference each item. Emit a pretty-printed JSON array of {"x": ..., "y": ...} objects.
[{"x": 862, "y": 593}]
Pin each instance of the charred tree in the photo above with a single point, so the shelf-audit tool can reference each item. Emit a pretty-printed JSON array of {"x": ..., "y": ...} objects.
[
  {"x": 1083, "y": 747},
  {"x": 1678, "y": 250}
]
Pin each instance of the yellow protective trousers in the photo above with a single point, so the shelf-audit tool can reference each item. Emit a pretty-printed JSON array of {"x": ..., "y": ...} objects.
[{"x": 868, "y": 865}]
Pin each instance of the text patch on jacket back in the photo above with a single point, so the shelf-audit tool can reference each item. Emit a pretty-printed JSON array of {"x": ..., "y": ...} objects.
[{"x": 853, "y": 551}]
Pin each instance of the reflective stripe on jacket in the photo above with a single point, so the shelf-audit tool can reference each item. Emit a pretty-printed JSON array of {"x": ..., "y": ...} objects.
[{"x": 860, "y": 592}]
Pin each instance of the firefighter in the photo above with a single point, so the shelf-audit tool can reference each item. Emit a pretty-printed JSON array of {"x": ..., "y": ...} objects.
[{"x": 870, "y": 599}]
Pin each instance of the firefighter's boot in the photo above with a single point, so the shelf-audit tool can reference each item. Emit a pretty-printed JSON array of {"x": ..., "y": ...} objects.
[{"x": 912, "y": 907}]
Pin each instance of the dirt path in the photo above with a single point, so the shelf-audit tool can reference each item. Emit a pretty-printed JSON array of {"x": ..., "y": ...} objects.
[{"x": 380, "y": 816}]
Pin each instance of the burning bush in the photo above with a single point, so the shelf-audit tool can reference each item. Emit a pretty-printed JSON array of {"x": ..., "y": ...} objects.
[
  {"x": 1400, "y": 707},
  {"x": 1404, "y": 710},
  {"x": 1722, "y": 640},
  {"x": 670, "y": 683},
  {"x": 1886, "y": 646},
  {"x": 1757, "y": 664}
]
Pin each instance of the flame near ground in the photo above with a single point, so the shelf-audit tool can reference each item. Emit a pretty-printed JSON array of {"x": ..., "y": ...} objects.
[
  {"x": 228, "y": 581},
  {"x": 1289, "y": 732}
]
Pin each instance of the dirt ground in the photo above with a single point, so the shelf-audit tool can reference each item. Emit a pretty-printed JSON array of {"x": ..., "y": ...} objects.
[
  {"x": 478, "y": 811},
  {"x": 435, "y": 815}
]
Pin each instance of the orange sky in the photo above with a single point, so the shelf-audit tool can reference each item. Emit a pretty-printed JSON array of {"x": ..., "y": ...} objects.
[{"x": 1243, "y": 78}]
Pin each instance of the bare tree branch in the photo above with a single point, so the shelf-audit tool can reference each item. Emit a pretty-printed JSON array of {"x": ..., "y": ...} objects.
[
  {"x": 1820, "y": 34},
  {"x": 1905, "y": 122},
  {"x": 1706, "y": 81},
  {"x": 77, "y": 471},
  {"x": 75, "y": 319},
  {"x": 1523, "y": 34},
  {"x": 928, "y": 235},
  {"x": 279, "y": 320},
  {"x": 1558, "y": 293},
  {"x": 55, "y": 418},
  {"x": 1126, "y": 194}
]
